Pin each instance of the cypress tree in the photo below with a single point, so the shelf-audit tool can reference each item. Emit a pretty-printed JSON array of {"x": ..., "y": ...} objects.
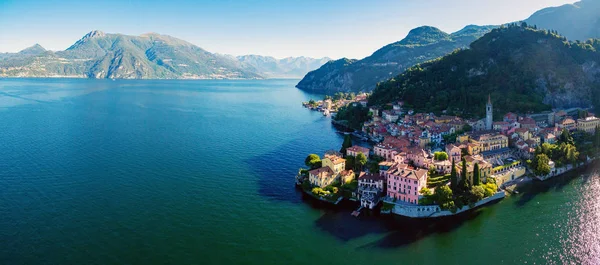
[
  {"x": 347, "y": 144},
  {"x": 464, "y": 183},
  {"x": 476, "y": 176},
  {"x": 453, "y": 177}
]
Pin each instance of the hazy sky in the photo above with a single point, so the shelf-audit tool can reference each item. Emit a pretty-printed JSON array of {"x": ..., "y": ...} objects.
[{"x": 279, "y": 28}]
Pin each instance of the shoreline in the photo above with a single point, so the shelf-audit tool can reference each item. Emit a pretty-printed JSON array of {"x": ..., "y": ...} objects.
[{"x": 434, "y": 211}]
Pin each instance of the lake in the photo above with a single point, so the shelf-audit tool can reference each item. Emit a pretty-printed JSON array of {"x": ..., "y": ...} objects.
[{"x": 202, "y": 172}]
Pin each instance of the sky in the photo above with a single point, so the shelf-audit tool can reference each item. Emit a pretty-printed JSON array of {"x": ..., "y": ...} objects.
[{"x": 278, "y": 28}]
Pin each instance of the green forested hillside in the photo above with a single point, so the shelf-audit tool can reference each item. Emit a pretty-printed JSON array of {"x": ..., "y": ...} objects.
[
  {"x": 421, "y": 44},
  {"x": 522, "y": 68}
]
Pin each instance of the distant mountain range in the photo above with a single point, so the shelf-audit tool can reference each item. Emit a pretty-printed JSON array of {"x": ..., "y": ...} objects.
[
  {"x": 149, "y": 56},
  {"x": 420, "y": 45},
  {"x": 578, "y": 21},
  {"x": 291, "y": 67}
]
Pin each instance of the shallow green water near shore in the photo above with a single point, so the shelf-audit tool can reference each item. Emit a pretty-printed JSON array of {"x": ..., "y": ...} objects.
[{"x": 201, "y": 172}]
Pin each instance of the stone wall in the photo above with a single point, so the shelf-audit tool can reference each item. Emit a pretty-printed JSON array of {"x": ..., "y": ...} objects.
[{"x": 434, "y": 211}]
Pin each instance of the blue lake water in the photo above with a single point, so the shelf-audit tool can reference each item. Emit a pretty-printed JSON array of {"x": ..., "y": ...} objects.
[{"x": 201, "y": 172}]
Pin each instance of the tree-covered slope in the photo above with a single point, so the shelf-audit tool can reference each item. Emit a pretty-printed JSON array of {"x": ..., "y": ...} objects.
[
  {"x": 421, "y": 44},
  {"x": 578, "y": 21},
  {"x": 523, "y": 69}
]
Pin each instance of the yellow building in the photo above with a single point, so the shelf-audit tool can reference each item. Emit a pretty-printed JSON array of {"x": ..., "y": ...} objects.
[
  {"x": 588, "y": 124},
  {"x": 346, "y": 176},
  {"x": 322, "y": 177},
  {"x": 485, "y": 168},
  {"x": 483, "y": 142},
  {"x": 335, "y": 163}
]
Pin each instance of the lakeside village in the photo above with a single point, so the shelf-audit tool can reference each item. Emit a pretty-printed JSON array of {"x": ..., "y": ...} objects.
[{"x": 428, "y": 166}]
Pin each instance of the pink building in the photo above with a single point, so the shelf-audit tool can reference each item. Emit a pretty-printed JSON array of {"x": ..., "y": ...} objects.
[
  {"x": 386, "y": 151},
  {"x": 355, "y": 150},
  {"x": 404, "y": 182}
]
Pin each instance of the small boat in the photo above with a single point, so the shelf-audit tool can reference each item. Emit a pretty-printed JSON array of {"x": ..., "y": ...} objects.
[{"x": 326, "y": 113}]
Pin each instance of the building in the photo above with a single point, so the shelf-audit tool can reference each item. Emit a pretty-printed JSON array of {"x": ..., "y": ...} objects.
[
  {"x": 548, "y": 137},
  {"x": 322, "y": 177},
  {"x": 502, "y": 126},
  {"x": 385, "y": 151},
  {"x": 390, "y": 116},
  {"x": 510, "y": 117},
  {"x": 485, "y": 168},
  {"x": 527, "y": 123},
  {"x": 443, "y": 167},
  {"x": 489, "y": 114},
  {"x": 327, "y": 104},
  {"x": 355, "y": 150},
  {"x": 404, "y": 183},
  {"x": 454, "y": 153},
  {"x": 346, "y": 176},
  {"x": 370, "y": 188},
  {"x": 567, "y": 123},
  {"x": 335, "y": 162},
  {"x": 588, "y": 124},
  {"x": 487, "y": 140}
]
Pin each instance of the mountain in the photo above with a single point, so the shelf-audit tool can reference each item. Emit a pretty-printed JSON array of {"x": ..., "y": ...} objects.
[
  {"x": 291, "y": 67},
  {"x": 522, "y": 68},
  {"x": 102, "y": 55},
  {"x": 420, "y": 45},
  {"x": 578, "y": 21}
]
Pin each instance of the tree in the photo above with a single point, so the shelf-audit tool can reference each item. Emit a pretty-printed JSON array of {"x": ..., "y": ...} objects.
[
  {"x": 541, "y": 165},
  {"x": 440, "y": 156},
  {"x": 443, "y": 196},
  {"x": 350, "y": 162},
  {"x": 453, "y": 177},
  {"x": 565, "y": 137},
  {"x": 346, "y": 144},
  {"x": 313, "y": 161},
  {"x": 360, "y": 161},
  {"x": 464, "y": 183},
  {"x": 597, "y": 137},
  {"x": 467, "y": 128},
  {"x": 477, "y": 193},
  {"x": 425, "y": 191},
  {"x": 476, "y": 175}
]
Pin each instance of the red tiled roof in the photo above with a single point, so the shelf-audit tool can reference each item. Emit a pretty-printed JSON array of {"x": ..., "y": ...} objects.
[
  {"x": 370, "y": 176},
  {"x": 358, "y": 149},
  {"x": 321, "y": 172}
]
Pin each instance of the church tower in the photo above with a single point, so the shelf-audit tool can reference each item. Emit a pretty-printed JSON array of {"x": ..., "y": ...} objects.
[{"x": 489, "y": 114}]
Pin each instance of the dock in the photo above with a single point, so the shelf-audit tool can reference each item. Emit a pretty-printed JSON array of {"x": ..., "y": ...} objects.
[{"x": 357, "y": 212}]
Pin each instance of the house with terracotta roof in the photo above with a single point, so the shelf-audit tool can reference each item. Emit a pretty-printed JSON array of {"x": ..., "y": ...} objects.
[
  {"x": 567, "y": 123},
  {"x": 321, "y": 177},
  {"x": 510, "y": 117},
  {"x": 418, "y": 157},
  {"x": 501, "y": 126},
  {"x": 485, "y": 168},
  {"x": 404, "y": 182},
  {"x": 527, "y": 123},
  {"x": 443, "y": 167},
  {"x": 355, "y": 150},
  {"x": 454, "y": 152},
  {"x": 335, "y": 162},
  {"x": 346, "y": 176},
  {"x": 385, "y": 151},
  {"x": 548, "y": 137}
]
